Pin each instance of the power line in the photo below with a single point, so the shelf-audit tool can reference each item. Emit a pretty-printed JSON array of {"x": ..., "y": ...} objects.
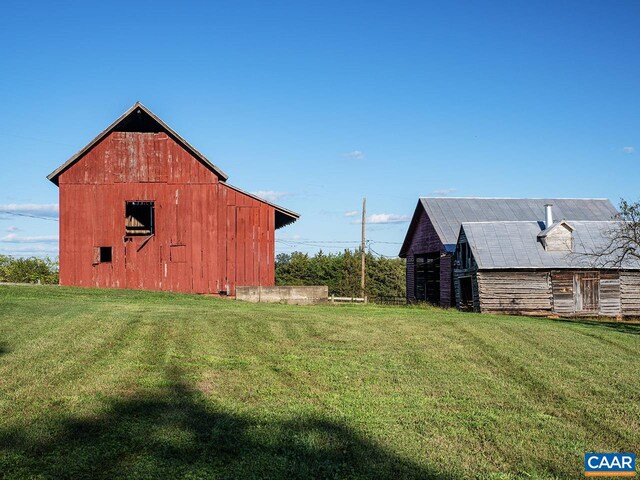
[
  {"x": 28, "y": 215},
  {"x": 334, "y": 245},
  {"x": 317, "y": 241},
  {"x": 34, "y": 139},
  {"x": 381, "y": 255},
  {"x": 304, "y": 242}
]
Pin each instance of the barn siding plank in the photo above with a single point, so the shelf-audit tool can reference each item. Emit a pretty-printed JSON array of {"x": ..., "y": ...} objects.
[{"x": 496, "y": 295}]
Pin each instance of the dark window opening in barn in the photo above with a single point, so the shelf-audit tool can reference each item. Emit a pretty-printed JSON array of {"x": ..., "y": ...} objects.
[
  {"x": 139, "y": 218},
  {"x": 105, "y": 254},
  {"x": 463, "y": 252},
  {"x": 466, "y": 294},
  {"x": 464, "y": 256},
  {"x": 427, "y": 275},
  {"x": 139, "y": 122}
]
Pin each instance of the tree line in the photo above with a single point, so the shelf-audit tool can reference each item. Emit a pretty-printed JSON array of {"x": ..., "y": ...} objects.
[
  {"x": 385, "y": 277},
  {"x": 28, "y": 270}
]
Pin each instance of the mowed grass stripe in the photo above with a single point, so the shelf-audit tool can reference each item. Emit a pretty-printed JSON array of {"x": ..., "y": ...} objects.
[{"x": 108, "y": 384}]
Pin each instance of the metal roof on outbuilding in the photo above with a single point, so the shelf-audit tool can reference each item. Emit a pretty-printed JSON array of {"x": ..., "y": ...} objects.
[
  {"x": 448, "y": 213},
  {"x": 514, "y": 245}
]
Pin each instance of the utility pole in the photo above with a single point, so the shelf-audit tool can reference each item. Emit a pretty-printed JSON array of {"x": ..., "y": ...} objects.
[{"x": 362, "y": 254}]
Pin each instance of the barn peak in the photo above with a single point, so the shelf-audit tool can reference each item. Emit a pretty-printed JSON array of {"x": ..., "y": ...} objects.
[{"x": 138, "y": 118}]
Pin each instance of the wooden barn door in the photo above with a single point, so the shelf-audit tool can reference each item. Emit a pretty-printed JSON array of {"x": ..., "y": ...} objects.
[
  {"x": 141, "y": 271},
  {"x": 427, "y": 278},
  {"x": 231, "y": 251},
  {"x": 587, "y": 288},
  {"x": 131, "y": 270}
]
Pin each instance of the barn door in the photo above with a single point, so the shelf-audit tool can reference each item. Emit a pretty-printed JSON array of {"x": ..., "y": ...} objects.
[
  {"x": 141, "y": 267},
  {"x": 231, "y": 251},
  {"x": 587, "y": 288},
  {"x": 427, "y": 278},
  {"x": 131, "y": 276}
]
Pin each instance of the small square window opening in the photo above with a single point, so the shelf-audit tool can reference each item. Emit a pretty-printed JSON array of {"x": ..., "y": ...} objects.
[{"x": 105, "y": 254}]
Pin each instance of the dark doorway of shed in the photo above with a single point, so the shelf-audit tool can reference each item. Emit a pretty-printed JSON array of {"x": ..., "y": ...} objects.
[
  {"x": 466, "y": 294},
  {"x": 427, "y": 275},
  {"x": 139, "y": 218}
]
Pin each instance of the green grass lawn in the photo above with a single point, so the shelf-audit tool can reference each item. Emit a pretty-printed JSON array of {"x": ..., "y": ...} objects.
[{"x": 108, "y": 384}]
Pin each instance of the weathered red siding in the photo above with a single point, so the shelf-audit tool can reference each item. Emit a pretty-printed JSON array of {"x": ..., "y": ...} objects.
[
  {"x": 426, "y": 240},
  {"x": 208, "y": 237}
]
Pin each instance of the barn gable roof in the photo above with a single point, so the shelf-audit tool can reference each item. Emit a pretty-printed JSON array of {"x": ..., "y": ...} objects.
[
  {"x": 283, "y": 216},
  {"x": 138, "y": 118},
  {"x": 515, "y": 245},
  {"x": 448, "y": 213}
]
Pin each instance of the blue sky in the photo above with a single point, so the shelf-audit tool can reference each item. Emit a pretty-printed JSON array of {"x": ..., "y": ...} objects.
[{"x": 319, "y": 104}]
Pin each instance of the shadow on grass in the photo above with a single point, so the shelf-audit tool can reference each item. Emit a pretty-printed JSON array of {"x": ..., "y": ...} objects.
[
  {"x": 175, "y": 434},
  {"x": 4, "y": 348},
  {"x": 622, "y": 327}
]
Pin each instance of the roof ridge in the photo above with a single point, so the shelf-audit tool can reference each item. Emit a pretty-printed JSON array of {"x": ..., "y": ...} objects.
[
  {"x": 541, "y": 220},
  {"x": 515, "y": 198},
  {"x": 504, "y": 221}
]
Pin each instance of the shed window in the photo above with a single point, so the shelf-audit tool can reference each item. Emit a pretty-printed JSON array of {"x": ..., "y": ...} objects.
[
  {"x": 105, "y": 254},
  {"x": 139, "y": 218}
]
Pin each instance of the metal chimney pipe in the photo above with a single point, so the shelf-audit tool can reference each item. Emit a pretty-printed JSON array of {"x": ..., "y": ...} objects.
[{"x": 548, "y": 215}]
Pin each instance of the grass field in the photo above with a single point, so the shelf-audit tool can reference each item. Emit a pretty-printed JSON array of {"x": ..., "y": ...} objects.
[{"x": 112, "y": 384}]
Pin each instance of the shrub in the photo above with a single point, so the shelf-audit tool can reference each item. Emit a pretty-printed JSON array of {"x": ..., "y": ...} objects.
[
  {"x": 385, "y": 277},
  {"x": 28, "y": 270}
]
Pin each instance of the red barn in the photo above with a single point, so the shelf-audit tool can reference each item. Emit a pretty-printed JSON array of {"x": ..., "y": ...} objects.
[{"x": 141, "y": 208}]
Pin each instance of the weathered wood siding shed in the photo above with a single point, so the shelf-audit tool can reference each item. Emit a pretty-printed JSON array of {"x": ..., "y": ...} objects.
[
  {"x": 436, "y": 222},
  {"x": 206, "y": 236},
  {"x": 509, "y": 271}
]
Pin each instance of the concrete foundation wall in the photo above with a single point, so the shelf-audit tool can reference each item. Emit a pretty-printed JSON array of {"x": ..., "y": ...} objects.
[{"x": 289, "y": 295}]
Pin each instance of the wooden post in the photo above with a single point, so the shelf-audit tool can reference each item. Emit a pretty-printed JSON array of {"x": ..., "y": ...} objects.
[{"x": 362, "y": 253}]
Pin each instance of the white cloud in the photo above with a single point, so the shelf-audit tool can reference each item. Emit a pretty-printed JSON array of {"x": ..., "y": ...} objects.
[
  {"x": 48, "y": 210},
  {"x": 13, "y": 238},
  {"x": 351, "y": 213},
  {"x": 387, "y": 218},
  {"x": 629, "y": 149},
  {"x": 444, "y": 191},
  {"x": 12, "y": 228},
  {"x": 355, "y": 155},
  {"x": 270, "y": 195}
]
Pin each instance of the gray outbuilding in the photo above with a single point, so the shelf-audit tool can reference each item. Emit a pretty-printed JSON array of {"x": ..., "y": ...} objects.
[{"x": 543, "y": 268}]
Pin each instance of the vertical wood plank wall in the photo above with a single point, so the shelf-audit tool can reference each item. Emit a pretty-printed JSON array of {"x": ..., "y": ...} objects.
[
  {"x": 426, "y": 240},
  {"x": 208, "y": 237}
]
